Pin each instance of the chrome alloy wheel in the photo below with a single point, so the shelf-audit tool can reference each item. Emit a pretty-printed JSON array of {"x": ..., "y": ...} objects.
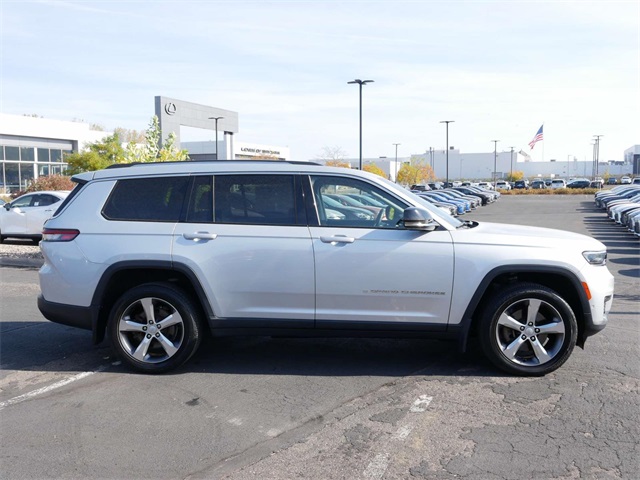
[
  {"x": 530, "y": 332},
  {"x": 150, "y": 330}
]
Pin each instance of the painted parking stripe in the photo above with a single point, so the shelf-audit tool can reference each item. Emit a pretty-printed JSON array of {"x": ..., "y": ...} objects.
[
  {"x": 378, "y": 466},
  {"x": 48, "y": 388},
  {"x": 421, "y": 404}
]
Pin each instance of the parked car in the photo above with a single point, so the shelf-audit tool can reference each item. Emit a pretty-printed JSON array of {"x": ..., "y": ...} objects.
[
  {"x": 538, "y": 184},
  {"x": 579, "y": 183},
  {"x": 558, "y": 183},
  {"x": 521, "y": 184},
  {"x": 612, "y": 181},
  {"x": 635, "y": 181},
  {"x": 625, "y": 180},
  {"x": 503, "y": 185},
  {"x": 151, "y": 255},
  {"x": 24, "y": 217}
]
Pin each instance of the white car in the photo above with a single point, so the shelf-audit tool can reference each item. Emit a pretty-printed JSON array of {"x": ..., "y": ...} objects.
[
  {"x": 625, "y": 180},
  {"x": 151, "y": 255},
  {"x": 558, "y": 183},
  {"x": 24, "y": 217},
  {"x": 502, "y": 185}
]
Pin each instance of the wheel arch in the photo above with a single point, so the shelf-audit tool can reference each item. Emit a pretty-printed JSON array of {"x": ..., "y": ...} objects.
[
  {"x": 563, "y": 281},
  {"x": 122, "y": 276}
]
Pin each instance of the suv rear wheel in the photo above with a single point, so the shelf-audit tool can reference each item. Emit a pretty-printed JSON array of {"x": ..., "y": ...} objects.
[
  {"x": 528, "y": 329},
  {"x": 154, "y": 327}
]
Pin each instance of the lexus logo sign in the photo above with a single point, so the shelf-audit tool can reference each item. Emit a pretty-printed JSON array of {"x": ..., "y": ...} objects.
[{"x": 170, "y": 108}]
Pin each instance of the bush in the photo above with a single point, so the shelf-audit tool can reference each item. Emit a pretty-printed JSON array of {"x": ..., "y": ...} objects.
[{"x": 50, "y": 182}]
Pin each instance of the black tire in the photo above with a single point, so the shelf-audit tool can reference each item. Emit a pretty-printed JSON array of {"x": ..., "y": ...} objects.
[
  {"x": 159, "y": 344},
  {"x": 528, "y": 330}
]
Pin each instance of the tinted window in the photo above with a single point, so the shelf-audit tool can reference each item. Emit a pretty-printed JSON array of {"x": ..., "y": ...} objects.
[
  {"x": 200, "y": 209},
  {"x": 255, "y": 199},
  {"x": 148, "y": 199}
]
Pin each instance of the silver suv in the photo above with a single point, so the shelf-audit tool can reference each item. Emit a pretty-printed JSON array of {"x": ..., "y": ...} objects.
[{"x": 151, "y": 255}]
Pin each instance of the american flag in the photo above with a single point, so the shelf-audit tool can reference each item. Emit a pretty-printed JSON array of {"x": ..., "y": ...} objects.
[{"x": 537, "y": 138}]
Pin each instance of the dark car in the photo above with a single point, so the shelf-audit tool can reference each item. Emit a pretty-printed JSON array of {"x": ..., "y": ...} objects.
[
  {"x": 612, "y": 181},
  {"x": 538, "y": 184},
  {"x": 522, "y": 184},
  {"x": 579, "y": 184}
]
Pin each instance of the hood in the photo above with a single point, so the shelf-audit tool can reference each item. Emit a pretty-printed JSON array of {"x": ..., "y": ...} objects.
[{"x": 522, "y": 235}]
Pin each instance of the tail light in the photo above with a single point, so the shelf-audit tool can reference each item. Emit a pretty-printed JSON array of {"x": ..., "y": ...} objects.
[{"x": 59, "y": 234}]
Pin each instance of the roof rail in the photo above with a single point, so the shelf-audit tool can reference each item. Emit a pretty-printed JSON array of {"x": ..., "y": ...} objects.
[{"x": 291, "y": 162}]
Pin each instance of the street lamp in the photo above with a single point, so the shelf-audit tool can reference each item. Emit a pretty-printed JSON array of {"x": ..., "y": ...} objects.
[
  {"x": 597, "y": 154},
  {"x": 447, "y": 122},
  {"x": 396, "y": 144},
  {"x": 511, "y": 171},
  {"x": 216, "y": 119},
  {"x": 495, "y": 161},
  {"x": 360, "y": 82}
]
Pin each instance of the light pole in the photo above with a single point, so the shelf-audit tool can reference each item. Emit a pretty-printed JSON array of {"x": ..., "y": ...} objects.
[
  {"x": 396, "y": 144},
  {"x": 216, "y": 119},
  {"x": 511, "y": 170},
  {"x": 495, "y": 161},
  {"x": 597, "y": 156},
  {"x": 447, "y": 122},
  {"x": 568, "y": 165},
  {"x": 360, "y": 83}
]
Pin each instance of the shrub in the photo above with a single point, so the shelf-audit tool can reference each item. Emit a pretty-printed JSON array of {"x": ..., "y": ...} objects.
[{"x": 50, "y": 182}]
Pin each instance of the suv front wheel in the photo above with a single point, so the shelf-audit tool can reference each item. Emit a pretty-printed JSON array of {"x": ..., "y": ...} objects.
[
  {"x": 528, "y": 329},
  {"x": 154, "y": 327}
]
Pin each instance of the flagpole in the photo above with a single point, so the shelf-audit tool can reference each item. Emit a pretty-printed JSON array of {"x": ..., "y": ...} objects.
[{"x": 543, "y": 142}]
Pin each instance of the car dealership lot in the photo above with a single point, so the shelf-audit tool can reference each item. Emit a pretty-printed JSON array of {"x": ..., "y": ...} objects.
[{"x": 279, "y": 408}]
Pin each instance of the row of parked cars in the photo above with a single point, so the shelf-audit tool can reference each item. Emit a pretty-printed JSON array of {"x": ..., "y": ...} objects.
[
  {"x": 622, "y": 204},
  {"x": 457, "y": 200}
]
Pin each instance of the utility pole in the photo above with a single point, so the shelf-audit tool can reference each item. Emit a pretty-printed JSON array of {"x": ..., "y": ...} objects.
[
  {"x": 396, "y": 144},
  {"x": 495, "y": 161},
  {"x": 511, "y": 171}
]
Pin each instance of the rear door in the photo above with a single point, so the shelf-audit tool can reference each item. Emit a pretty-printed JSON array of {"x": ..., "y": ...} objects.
[{"x": 246, "y": 238}]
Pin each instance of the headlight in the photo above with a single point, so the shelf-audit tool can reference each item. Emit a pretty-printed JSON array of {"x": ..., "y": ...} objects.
[{"x": 595, "y": 258}]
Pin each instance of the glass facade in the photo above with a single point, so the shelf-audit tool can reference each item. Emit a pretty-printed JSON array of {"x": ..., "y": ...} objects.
[{"x": 19, "y": 166}]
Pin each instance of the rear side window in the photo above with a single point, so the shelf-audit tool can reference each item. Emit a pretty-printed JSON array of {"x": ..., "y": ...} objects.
[
  {"x": 151, "y": 199},
  {"x": 255, "y": 199}
]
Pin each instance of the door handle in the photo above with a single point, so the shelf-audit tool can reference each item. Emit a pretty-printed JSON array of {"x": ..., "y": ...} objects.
[
  {"x": 200, "y": 236},
  {"x": 335, "y": 239}
]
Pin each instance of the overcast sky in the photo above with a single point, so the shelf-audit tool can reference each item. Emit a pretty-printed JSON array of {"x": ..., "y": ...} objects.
[{"x": 500, "y": 69}]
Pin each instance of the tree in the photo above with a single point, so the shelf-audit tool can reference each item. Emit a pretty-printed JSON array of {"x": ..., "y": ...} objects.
[
  {"x": 414, "y": 172},
  {"x": 517, "y": 175},
  {"x": 337, "y": 163},
  {"x": 375, "y": 169},
  {"x": 97, "y": 156},
  {"x": 129, "y": 136},
  {"x": 150, "y": 150},
  {"x": 333, "y": 154}
]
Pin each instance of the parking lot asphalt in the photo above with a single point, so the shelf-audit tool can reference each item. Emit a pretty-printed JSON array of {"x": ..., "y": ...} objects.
[{"x": 272, "y": 408}]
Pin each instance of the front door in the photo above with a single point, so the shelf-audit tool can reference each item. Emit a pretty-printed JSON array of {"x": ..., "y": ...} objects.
[{"x": 369, "y": 269}]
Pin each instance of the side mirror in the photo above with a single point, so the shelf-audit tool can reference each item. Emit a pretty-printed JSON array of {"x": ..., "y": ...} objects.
[
  {"x": 7, "y": 206},
  {"x": 415, "y": 218}
]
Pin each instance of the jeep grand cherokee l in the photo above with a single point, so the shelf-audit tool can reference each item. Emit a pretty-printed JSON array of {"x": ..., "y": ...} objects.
[{"x": 150, "y": 255}]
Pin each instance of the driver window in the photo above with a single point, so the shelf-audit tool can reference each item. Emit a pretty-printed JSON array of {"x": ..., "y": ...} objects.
[{"x": 345, "y": 202}]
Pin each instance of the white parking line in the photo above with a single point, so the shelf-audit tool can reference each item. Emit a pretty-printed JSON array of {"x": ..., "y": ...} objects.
[
  {"x": 48, "y": 388},
  {"x": 421, "y": 404},
  {"x": 377, "y": 467},
  {"x": 402, "y": 432}
]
